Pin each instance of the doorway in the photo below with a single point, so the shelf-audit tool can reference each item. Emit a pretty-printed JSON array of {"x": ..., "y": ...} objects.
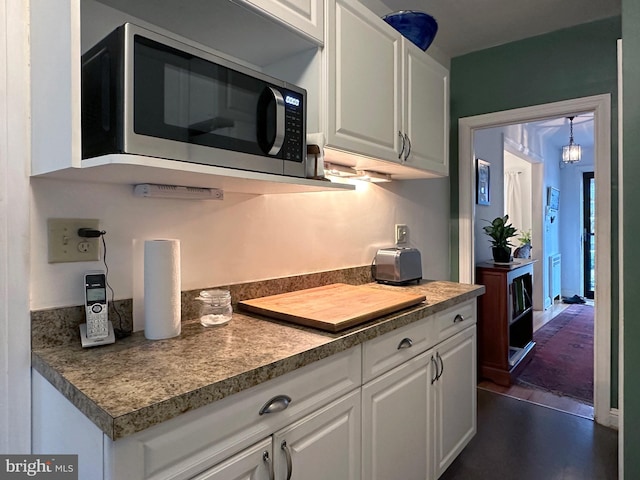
[{"x": 600, "y": 105}]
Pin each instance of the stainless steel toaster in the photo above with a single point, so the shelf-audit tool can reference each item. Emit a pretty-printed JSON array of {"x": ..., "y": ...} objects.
[{"x": 398, "y": 265}]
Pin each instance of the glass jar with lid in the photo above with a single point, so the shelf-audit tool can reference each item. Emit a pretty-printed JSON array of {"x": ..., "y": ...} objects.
[{"x": 215, "y": 308}]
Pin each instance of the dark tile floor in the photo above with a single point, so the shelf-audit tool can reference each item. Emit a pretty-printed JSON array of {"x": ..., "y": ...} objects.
[{"x": 520, "y": 440}]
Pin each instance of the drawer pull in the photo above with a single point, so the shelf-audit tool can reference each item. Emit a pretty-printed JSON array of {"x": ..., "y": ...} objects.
[
  {"x": 459, "y": 318},
  {"x": 405, "y": 343},
  {"x": 287, "y": 454},
  {"x": 276, "y": 404},
  {"x": 267, "y": 461}
]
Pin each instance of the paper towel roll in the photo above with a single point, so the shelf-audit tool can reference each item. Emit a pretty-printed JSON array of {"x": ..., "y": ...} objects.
[{"x": 161, "y": 289}]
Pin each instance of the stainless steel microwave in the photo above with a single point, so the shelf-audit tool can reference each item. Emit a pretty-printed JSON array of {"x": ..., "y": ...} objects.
[{"x": 148, "y": 94}]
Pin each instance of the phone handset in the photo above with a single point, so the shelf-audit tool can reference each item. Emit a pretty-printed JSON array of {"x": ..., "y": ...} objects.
[
  {"x": 95, "y": 294},
  {"x": 98, "y": 329}
]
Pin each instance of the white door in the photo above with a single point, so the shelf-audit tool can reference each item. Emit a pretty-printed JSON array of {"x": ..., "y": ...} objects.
[
  {"x": 395, "y": 425},
  {"x": 253, "y": 463},
  {"x": 426, "y": 111},
  {"x": 454, "y": 394},
  {"x": 364, "y": 109},
  {"x": 324, "y": 445}
]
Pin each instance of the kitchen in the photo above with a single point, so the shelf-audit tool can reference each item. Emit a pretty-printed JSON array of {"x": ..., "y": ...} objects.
[{"x": 205, "y": 231}]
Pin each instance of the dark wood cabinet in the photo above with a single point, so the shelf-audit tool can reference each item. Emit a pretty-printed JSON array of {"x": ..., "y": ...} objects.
[{"x": 505, "y": 320}]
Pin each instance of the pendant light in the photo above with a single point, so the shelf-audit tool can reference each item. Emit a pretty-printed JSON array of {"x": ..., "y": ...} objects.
[{"x": 573, "y": 152}]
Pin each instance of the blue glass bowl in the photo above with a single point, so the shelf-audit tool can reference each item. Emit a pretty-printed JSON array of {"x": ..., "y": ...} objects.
[{"x": 419, "y": 27}]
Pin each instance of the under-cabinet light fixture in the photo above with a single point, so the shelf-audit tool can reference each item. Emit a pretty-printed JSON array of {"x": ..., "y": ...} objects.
[
  {"x": 373, "y": 177},
  {"x": 334, "y": 170},
  {"x": 178, "y": 192}
]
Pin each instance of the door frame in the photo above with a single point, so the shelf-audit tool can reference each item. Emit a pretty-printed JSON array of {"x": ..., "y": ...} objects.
[
  {"x": 586, "y": 264},
  {"x": 600, "y": 105},
  {"x": 15, "y": 198}
]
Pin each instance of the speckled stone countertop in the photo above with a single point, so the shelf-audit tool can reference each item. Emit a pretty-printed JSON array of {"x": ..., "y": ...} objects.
[{"x": 135, "y": 383}]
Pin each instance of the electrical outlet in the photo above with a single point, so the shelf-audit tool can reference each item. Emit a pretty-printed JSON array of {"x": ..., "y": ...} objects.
[
  {"x": 402, "y": 233},
  {"x": 66, "y": 246}
]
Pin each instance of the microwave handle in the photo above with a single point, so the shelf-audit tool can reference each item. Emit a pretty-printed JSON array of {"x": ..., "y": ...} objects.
[{"x": 278, "y": 140}]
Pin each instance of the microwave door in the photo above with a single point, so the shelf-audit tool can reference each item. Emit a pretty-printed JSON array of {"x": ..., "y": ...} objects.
[{"x": 191, "y": 104}]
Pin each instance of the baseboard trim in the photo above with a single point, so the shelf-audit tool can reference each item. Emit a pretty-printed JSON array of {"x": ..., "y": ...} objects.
[{"x": 614, "y": 418}]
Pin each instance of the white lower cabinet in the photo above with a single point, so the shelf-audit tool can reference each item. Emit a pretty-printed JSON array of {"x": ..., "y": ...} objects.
[
  {"x": 254, "y": 463},
  {"x": 454, "y": 397},
  {"x": 323, "y": 445},
  {"x": 418, "y": 415},
  {"x": 395, "y": 426}
]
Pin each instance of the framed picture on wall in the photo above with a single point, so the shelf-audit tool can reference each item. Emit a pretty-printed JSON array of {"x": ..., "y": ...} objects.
[
  {"x": 483, "y": 184},
  {"x": 553, "y": 198}
]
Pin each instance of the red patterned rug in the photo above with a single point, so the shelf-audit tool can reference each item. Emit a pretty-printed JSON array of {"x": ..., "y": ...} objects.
[{"x": 563, "y": 359}]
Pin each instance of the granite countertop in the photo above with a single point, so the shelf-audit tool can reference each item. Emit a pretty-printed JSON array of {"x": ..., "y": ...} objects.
[{"x": 136, "y": 383}]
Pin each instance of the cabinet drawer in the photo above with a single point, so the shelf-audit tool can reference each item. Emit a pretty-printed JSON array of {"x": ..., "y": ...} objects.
[
  {"x": 455, "y": 319},
  {"x": 194, "y": 441},
  {"x": 383, "y": 353}
]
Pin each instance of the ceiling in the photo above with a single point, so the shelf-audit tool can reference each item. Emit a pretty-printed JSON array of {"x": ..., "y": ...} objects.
[
  {"x": 465, "y": 26},
  {"x": 556, "y": 131}
]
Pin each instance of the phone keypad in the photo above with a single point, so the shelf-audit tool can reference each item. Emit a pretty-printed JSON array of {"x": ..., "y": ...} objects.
[{"x": 97, "y": 318}]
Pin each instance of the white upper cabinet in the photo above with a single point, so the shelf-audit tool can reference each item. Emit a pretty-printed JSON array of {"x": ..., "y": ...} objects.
[
  {"x": 364, "y": 101},
  {"x": 426, "y": 111},
  {"x": 306, "y": 16},
  {"x": 387, "y": 100},
  {"x": 261, "y": 34}
]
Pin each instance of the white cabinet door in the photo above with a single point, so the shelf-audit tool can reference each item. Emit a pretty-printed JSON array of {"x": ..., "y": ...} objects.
[
  {"x": 454, "y": 394},
  {"x": 426, "y": 111},
  {"x": 395, "y": 426},
  {"x": 254, "y": 463},
  {"x": 324, "y": 445},
  {"x": 306, "y": 16},
  {"x": 364, "y": 99}
]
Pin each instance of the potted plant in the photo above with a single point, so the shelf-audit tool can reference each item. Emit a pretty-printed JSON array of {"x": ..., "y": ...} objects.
[
  {"x": 500, "y": 232},
  {"x": 524, "y": 250}
]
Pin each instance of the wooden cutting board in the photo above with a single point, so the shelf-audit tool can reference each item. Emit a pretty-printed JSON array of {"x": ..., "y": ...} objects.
[{"x": 332, "y": 307}]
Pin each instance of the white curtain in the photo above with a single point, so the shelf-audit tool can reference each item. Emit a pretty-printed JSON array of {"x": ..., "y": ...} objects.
[{"x": 513, "y": 196}]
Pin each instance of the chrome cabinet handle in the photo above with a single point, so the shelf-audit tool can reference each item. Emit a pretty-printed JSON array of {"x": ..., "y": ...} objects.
[
  {"x": 266, "y": 459},
  {"x": 459, "y": 318},
  {"x": 402, "y": 149},
  {"x": 287, "y": 455},
  {"x": 405, "y": 343},
  {"x": 441, "y": 365},
  {"x": 434, "y": 361},
  {"x": 276, "y": 404},
  {"x": 408, "y": 149}
]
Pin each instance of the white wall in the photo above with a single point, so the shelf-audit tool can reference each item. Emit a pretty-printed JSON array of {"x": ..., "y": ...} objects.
[
  {"x": 488, "y": 145},
  {"x": 553, "y": 220},
  {"x": 242, "y": 238}
]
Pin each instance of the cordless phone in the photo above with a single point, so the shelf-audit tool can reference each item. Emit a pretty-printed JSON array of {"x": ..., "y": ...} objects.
[
  {"x": 95, "y": 295},
  {"x": 98, "y": 329}
]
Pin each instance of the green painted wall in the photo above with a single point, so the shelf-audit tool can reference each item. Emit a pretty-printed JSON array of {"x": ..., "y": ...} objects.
[
  {"x": 570, "y": 63},
  {"x": 631, "y": 222}
]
